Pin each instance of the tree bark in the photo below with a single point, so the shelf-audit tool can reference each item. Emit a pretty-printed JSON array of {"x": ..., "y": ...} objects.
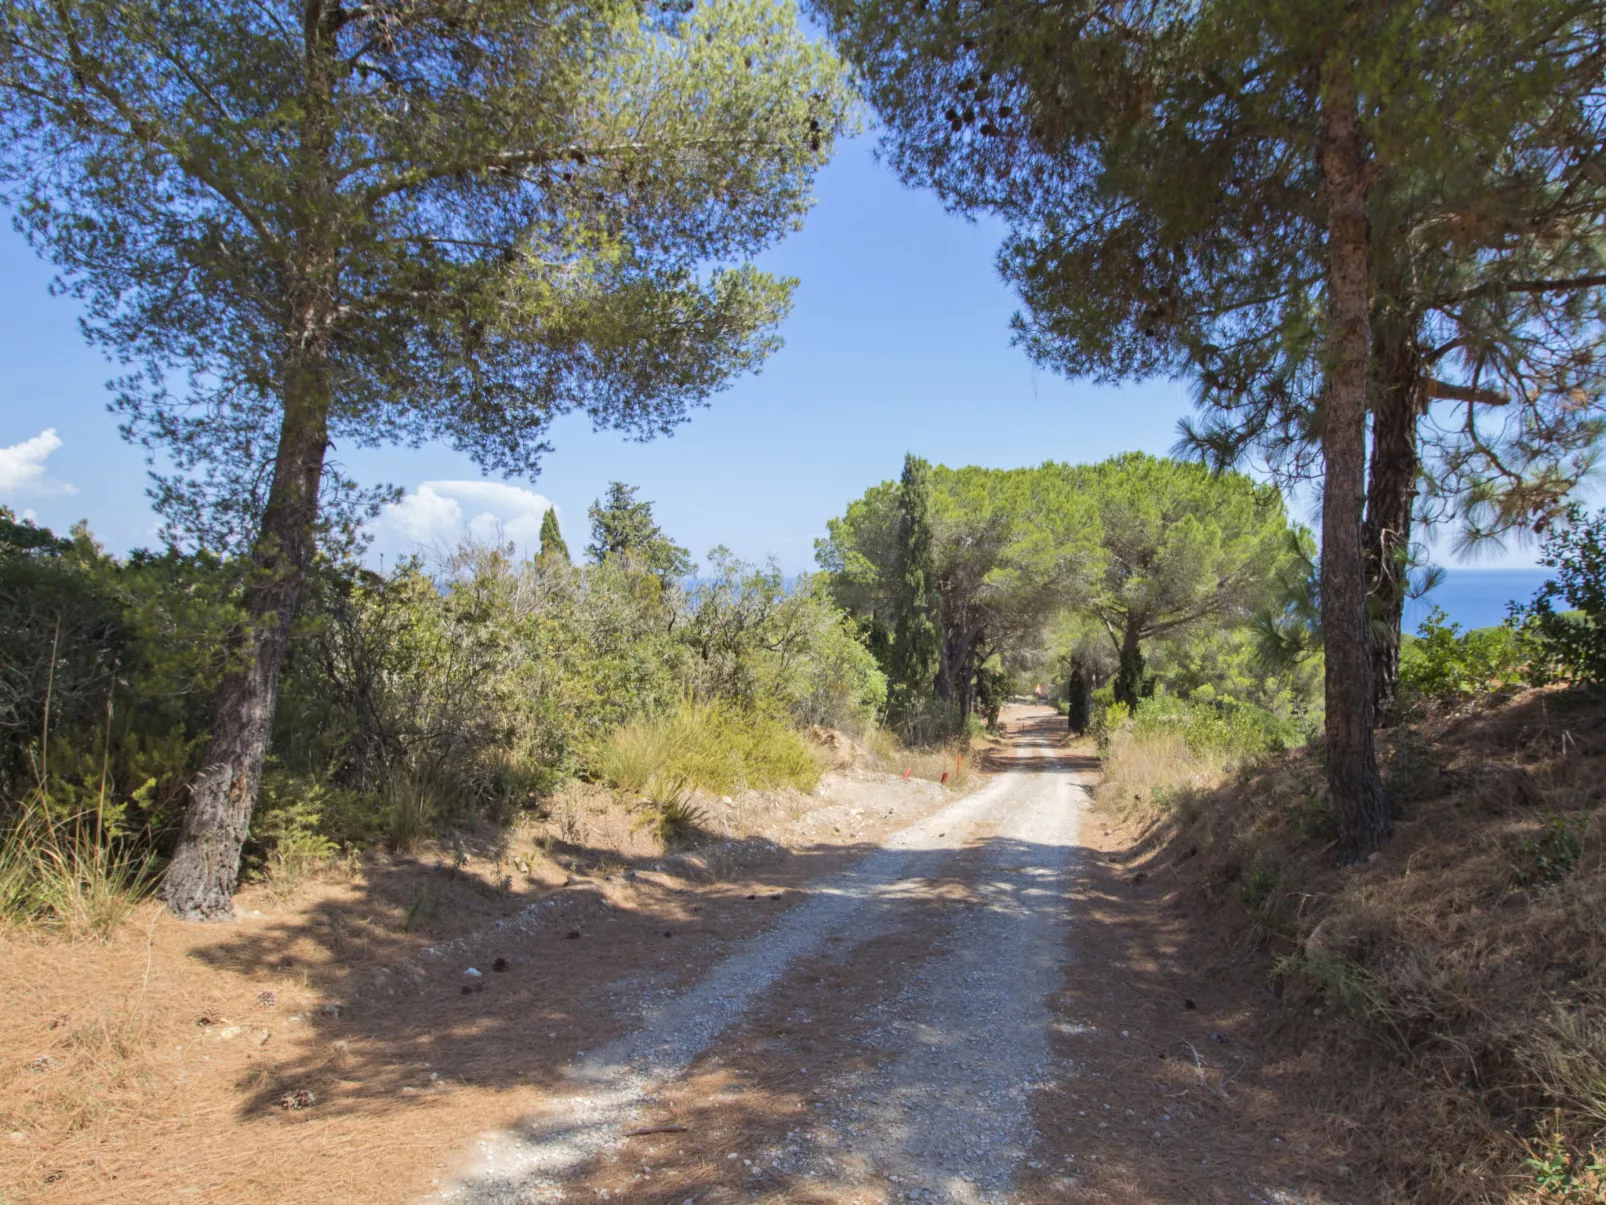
[
  {"x": 967, "y": 684},
  {"x": 200, "y": 881},
  {"x": 1352, "y": 774},
  {"x": 1391, "y": 489},
  {"x": 950, "y": 653}
]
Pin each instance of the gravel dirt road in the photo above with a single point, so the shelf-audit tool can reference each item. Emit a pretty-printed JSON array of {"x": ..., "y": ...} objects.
[
  {"x": 992, "y": 1006},
  {"x": 924, "y": 1092}
]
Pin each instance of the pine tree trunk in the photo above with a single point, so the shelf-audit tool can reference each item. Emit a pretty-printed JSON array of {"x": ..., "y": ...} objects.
[
  {"x": 950, "y": 651},
  {"x": 1390, "y": 495},
  {"x": 967, "y": 685},
  {"x": 200, "y": 882},
  {"x": 1352, "y": 774}
]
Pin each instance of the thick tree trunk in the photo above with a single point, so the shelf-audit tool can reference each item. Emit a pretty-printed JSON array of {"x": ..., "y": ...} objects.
[
  {"x": 967, "y": 684},
  {"x": 949, "y": 656},
  {"x": 1352, "y": 775},
  {"x": 1391, "y": 488},
  {"x": 200, "y": 882}
]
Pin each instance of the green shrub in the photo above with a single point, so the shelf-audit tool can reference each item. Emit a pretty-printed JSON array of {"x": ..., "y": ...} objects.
[
  {"x": 1235, "y": 733},
  {"x": 1105, "y": 714},
  {"x": 289, "y": 826},
  {"x": 1257, "y": 888},
  {"x": 1441, "y": 661},
  {"x": 1564, "y": 1176},
  {"x": 1570, "y": 645},
  {"x": 409, "y": 702},
  {"x": 1554, "y": 853}
]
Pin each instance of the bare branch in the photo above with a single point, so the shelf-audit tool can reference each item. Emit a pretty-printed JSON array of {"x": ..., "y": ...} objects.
[{"x": 1463, "y": 393}]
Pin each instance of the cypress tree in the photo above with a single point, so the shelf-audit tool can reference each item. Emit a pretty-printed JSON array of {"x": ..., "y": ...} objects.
[
  {"x": 915, "y": 634},
  {"x": 552, "y": 545},
  {"x": 1077, "y": 701},
  {"x": 1129, "y": 677}
]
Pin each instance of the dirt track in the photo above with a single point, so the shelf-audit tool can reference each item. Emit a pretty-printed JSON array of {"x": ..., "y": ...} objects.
[
  {"x": 946, "y": 1107},
  {"x": 984, "y": 1010},
  {"x": 972, "y": 999}
]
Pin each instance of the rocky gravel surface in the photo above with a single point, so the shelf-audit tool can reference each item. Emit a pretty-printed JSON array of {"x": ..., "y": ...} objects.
[
  {"x": 948, "y": 1117},
  {"x": 610, "y": 1086}
]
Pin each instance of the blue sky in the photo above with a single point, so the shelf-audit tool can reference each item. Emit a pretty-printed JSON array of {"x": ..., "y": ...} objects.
[{"x": 899, "y": 341}]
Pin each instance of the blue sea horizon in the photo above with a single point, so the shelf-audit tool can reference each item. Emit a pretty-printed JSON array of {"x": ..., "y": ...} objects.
[{"x": 1476, "y": 598}]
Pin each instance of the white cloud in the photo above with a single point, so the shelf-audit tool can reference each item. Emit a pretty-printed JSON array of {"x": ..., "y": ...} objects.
[
  {"x": 438, "y": 513},
  {"x": 22, "y": 467},
  {"x": 424, "y": 516}
]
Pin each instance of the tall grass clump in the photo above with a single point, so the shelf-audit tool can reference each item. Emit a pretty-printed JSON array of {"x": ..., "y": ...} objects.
[
  {"x": 1171, "y": 744},
  {"x": 633, "y": 753},
  {"x": 710, "y": 746},
  {"x": 76, "y": 875},
  {"x": 669, "y": 812}
]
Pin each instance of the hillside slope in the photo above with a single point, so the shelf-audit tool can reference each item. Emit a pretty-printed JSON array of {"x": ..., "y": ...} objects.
[{"x": 1445, "y": 1005}]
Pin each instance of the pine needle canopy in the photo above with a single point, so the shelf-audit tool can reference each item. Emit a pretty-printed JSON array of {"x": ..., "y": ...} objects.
[{"x": 491, "y": 212}]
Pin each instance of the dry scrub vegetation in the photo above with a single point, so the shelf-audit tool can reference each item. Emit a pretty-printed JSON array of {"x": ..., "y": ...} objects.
[{"x": 1446, "y": 1003}]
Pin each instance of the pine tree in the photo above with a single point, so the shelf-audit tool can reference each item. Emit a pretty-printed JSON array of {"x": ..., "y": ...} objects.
[
  {"x": 1231, "y": 160},
  {"x": 915, "y": 632},
  {"x": 363, "y": 223},
  {"x": 552, "y": 546}
]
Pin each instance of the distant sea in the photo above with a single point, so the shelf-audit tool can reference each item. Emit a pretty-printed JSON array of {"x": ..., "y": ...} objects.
[{"x": 1476, "y": 598}]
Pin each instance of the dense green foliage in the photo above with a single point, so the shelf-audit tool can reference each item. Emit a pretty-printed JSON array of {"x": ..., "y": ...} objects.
[
  {"x": 105, "y": 664},
  {"x": 1182, "y": 548},
  {"x": 1538, "y": 644},
  {"x": 1083, "y": 570},
  {"x": 1232, "y": 732},
  {"x": 411, "y": 700},
  {"x": 1443, "y": 662},
  {"x": 1570, "y": 645},
  {"x": 1008, "y": 548}
]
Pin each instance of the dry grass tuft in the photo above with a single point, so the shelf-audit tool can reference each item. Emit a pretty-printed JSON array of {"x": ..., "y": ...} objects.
[
  {"x": 669, "y": 812},
  {"x": 1454, "y": 989},
  {"x": 710, "y": 746},
  {"x": 1145, "y": 768},
  {"x": 73, "y": 876},
  {"x": 953, "y": 764}
]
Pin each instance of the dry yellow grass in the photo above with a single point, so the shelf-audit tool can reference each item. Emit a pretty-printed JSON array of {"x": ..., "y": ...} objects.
[
  {"x": 1146, "y": 768},
  {"x": 1449, "y": 998}
]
